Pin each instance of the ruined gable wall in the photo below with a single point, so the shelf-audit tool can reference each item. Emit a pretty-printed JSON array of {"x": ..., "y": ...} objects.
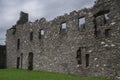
[{"x": 57, "y": 50}]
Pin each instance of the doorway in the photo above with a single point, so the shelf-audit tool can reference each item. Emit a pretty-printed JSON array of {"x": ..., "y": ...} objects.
[
  {"x": 18, "y": 62},
  {"x": 30, "y": 61}
]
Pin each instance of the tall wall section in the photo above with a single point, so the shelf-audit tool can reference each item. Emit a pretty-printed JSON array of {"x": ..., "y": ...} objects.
[{"x": 2, "y": 56}]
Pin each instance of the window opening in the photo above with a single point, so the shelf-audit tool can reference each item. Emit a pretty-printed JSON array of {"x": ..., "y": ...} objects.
[
  {"x": 18, "y": 44},
  {"x": 63, "y": 27},
  {"x": 41, "y": 34},
  {"x": 81, "y": 23},
  {"x": 31, "y": 36}
]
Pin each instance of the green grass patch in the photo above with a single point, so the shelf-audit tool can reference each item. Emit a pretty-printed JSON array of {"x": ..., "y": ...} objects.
[{"x": 14, "y": 74}]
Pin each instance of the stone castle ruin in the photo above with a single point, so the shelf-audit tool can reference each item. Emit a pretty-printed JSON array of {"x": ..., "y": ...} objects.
[{"x": 84, "y": 42}]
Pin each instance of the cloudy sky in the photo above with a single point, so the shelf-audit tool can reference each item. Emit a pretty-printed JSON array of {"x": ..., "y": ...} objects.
[{"x": 10, "y": 9}]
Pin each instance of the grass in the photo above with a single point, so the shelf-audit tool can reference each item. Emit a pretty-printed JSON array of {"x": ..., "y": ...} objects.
[{"x": 14, "y": 74}]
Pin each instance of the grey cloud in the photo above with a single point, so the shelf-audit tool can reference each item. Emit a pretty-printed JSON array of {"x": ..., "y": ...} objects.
[{"x": 56, "y": 8}]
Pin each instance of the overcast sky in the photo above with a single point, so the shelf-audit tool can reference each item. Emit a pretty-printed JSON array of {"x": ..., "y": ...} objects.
[{"x": 10, "y": 9}]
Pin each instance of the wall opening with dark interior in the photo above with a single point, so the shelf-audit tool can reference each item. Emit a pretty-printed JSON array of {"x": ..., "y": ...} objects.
[
  {"x": 100, "y": 20},
  {"x": 63, "y": 27},
  {"x": 18, "y": 62},
  {"x": 30, "y": 61},
  {"x": 107, "y": 32},
  {"x": 41, "y": 33},
  {"x": 18, "y": 44},
  {"x": 95, "y": 28},
  {"x": 81, "y": 23},
  {"x": 87, "y": 59},
  {"x": 78, "y": 57},
  {"x": 31, "y": 36}
]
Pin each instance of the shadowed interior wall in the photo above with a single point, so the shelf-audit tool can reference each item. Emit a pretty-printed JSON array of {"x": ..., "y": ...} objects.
[{"x": 2, "y": 56}]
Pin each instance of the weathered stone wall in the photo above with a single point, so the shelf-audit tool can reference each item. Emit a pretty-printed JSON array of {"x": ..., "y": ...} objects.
[
  {"x": 56, "y": 50},
  {"x": 2, "y": 56}
]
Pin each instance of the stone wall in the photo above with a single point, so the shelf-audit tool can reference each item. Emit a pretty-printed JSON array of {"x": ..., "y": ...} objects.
[
  {"x": 2, "y": 56},
  {"x": 67, "y": 45}
]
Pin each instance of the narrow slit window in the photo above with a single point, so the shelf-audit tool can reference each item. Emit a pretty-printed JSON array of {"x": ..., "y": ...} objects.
[
  {"x": 81, "y": 22},
  {"x": 18, "y": 44},
  {"x": 63, "y": 27},
  {"x": 41, "y": 34},
  {"x": 31, "y": 36},
  {"x": 95, "y": 27},
  {"x": 87, "y": 60}
]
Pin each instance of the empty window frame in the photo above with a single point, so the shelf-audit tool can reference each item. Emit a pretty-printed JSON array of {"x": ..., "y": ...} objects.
[
  {"x": 31, "y": 36},
  {"x": 104, "y": 15},
  {"x": 41, "y": 33},
  {"x": 18, "y": 44},
  {"x": 81, "y": 23},
  {"x": 87, "y": 59},
  {"x": 101, "y": 18},
  {"x": 63, "y": 27}
]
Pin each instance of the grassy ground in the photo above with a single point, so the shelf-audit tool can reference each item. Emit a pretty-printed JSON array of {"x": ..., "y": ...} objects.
[{"x": 14, "y": 74}]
